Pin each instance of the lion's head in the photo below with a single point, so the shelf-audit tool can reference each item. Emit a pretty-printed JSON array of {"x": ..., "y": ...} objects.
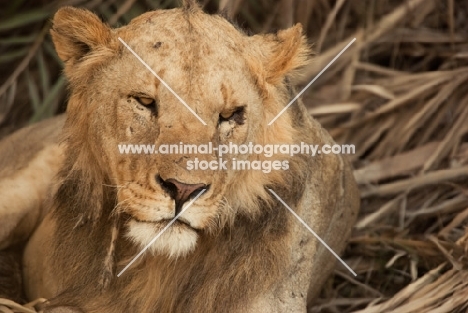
[{"x": 234, "y": 83}]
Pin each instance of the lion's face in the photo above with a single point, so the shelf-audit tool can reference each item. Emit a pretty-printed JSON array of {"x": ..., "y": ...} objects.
[{"x": 232, "y": 82}]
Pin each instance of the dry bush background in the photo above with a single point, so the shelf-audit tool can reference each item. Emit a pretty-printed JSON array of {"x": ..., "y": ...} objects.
[{"x": 399, "y": 93}]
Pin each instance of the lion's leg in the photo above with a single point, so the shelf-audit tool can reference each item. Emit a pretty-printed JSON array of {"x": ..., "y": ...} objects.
[
  {"x": 311, "y": 263},
  {"x": 339, "y": 228},
  {"x": 22, "y": 197},
  {"x": 273, "y": 304},
  {"x": 21, "y": 209},
  {"x": 29, "y": 160}
]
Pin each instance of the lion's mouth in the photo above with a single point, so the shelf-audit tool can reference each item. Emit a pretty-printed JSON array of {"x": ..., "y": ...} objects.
[{"x": 180, "y": 223}]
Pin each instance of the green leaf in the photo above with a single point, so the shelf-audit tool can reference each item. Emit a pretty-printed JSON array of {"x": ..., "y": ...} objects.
[
  {"x": 43, "y": 72},
  {"x": 13, "y": 55},
  {"x": 51, "y": 51},
  {"x": 33, "y": 93},
  {"x": 22, "y": 19},
  {"x": 14, "y": 40},
  {"x": 48, "y": 106},
  {"x": 106, "y": 12},
  {"x": 134, "y": 11},
  {"x": 14, "y": 5}
]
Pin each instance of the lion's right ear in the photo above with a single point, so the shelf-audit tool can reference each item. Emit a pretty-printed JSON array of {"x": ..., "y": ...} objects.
[
  {"x": 77, "y": 32},
  {"x": 281, "y": 54}
]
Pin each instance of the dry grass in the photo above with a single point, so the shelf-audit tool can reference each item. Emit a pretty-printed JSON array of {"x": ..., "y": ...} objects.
[
  {"x": 398, "y": 93},
  {"x": 8, "y": 306}
]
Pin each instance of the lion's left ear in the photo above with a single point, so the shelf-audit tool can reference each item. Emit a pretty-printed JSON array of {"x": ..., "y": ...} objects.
[{"x": 282, "y": 53}]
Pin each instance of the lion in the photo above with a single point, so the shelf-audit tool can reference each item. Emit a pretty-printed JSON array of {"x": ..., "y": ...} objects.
[{"x": 234, "y": 246}]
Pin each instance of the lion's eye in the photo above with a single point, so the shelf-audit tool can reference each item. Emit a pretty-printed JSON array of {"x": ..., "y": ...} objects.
[
  {"x": 238, "y": 116},
  {"x": 147, "y": 102}
]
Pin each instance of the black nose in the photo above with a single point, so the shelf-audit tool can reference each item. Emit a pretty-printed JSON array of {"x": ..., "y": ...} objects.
[{"x": 180, "y": 192}]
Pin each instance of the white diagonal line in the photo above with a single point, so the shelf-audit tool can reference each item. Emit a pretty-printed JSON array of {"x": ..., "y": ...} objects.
[
  {"x": 162, "y": 81},
  {"x": 160, "y": 233},
  {"x": 312, "y": 81},
  {"x": 313, "y": 233}
]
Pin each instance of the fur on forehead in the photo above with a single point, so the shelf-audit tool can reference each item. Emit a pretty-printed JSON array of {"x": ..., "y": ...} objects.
[{"x": 85, "y": 43}]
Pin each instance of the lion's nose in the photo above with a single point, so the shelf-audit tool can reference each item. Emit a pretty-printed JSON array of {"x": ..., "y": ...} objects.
[{"x": 180, "y": 192}]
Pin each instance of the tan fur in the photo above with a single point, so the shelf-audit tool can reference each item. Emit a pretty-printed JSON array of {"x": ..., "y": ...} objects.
[
  {"x": 243, "y": 251},
  {"x": 28, "y": 163}
]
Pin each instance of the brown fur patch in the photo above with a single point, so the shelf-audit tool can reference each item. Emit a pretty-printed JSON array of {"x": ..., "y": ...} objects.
[{"x": 11, "y": 285}]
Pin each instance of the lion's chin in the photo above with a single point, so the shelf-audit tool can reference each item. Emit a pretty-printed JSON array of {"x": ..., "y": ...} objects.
[{"x": 176, "y": 241}]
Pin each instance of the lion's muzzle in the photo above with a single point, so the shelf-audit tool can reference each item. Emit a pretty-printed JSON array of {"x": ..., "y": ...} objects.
[{"x": 180, "y": 192}]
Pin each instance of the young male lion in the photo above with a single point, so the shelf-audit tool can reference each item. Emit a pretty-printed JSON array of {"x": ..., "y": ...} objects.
[{"x": 236, "y": 248}]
